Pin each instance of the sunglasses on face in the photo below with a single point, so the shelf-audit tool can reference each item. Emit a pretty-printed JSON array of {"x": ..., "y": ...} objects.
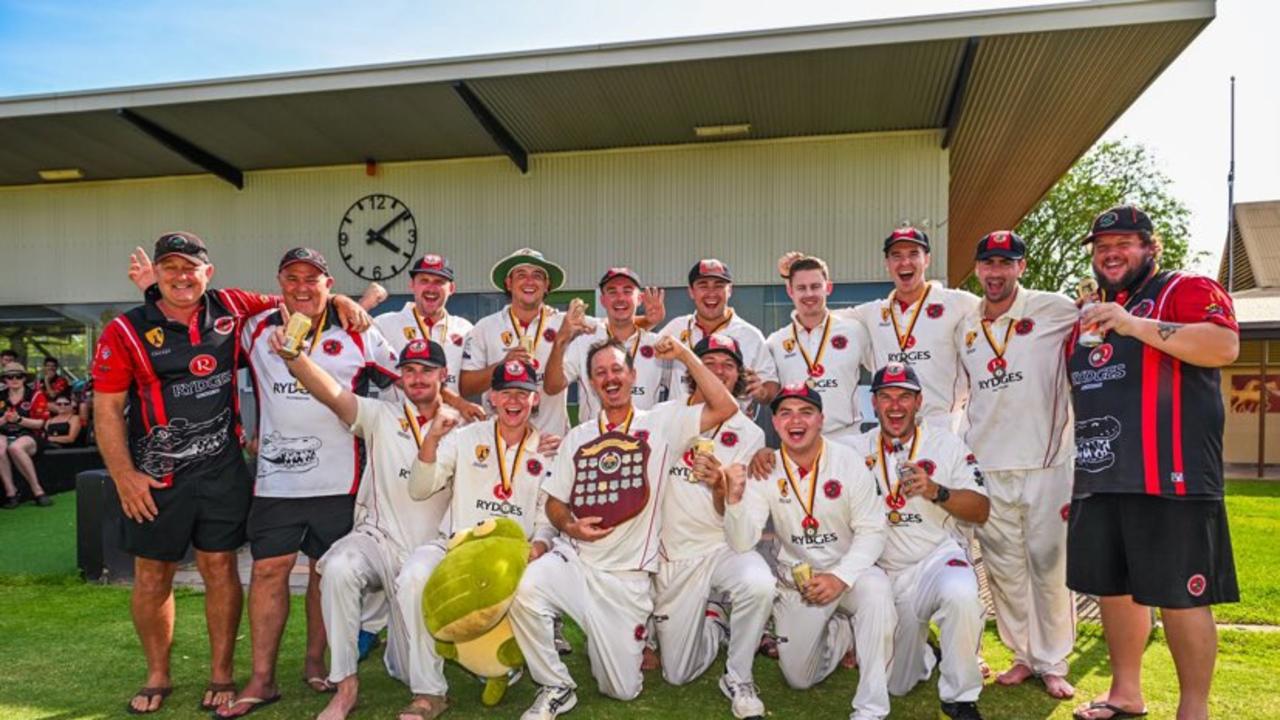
[{"x": 15, "y": 377}]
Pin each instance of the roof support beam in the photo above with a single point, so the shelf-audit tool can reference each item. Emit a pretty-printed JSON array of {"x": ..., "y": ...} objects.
[
  {"x": 184, "y": 147},
  {"x": 492, "y": 125},
  {"x": 955, "y": 104}
]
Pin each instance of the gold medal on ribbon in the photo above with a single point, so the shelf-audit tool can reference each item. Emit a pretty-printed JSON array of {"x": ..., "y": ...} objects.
[
  {"x": 810, "y": 523},
  {"x": 814, "y": 364},
  {"x": 905, "y": 339},
  {"x": 503, "y": 491},
  {"x": 998, "y": 365}
]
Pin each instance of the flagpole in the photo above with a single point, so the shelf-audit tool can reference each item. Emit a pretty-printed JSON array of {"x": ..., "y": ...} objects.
[{"x": 1231, "y": 186}]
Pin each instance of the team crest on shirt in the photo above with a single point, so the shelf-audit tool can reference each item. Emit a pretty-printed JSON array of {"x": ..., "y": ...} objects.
[
  {"x": 789, "y": 345},
  {"x": 1143, "y": 309},
  {"x": 1024, "y": 326},
  {"x": 155, "y": 336},
  {"x": 641, "y": 434},
  {"x": 839, "y": 342},
  {"x": 404, "y": 425},
  {"x": 884, "y": 314},
  {"x": 684, "y": 336},
  {"x": 831, "y": 489},
  {"x": 870, "y": 460},
  {"x": 969, "y": 337},
  {"x": 534, "y": 467},
  {"x": 782, "y": 489},
  {"x": 331, "y": 347},
  {"x": 507, "y": 338},
  {"x": 1214, "y": 308},
  {"x": 1100, "y": 355},
  {"x": 1065, "y": 512},
  {"x": 933, "y": 310},
  {"x": 410, "y": 333},
  {"x": 971, "y": 459},
  {"x": 482, "y": 453},
  {"x": 928, "y": 466},
  {"x": 728, "y": 438},
  {"x": 456, "y": 339},
  {"x": 639, "y": 632},
  {"x": 224, "y": 325},
  {"x": 646, "y": 352},
  {"x": 549, "y": 335}
]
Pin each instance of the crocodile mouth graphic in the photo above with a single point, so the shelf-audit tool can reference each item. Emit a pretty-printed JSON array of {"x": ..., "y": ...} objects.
[
  {"x": 285, "y": 454},
  {"x": 1093, "y": 443},
  {"x": 167, "y": 449}
]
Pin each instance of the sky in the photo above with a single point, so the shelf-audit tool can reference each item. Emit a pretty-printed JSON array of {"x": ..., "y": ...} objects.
[{"x": 57, "y": 46}]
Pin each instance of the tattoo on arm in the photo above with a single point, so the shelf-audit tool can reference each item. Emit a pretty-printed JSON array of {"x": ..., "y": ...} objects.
[{"x": 1166, "y": 329}]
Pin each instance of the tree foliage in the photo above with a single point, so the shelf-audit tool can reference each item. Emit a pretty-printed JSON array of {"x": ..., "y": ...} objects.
[{"x": 1112, "y": 172}]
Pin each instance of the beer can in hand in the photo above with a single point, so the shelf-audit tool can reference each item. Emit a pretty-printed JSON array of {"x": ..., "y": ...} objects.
[{"x": 295, "y": 333}]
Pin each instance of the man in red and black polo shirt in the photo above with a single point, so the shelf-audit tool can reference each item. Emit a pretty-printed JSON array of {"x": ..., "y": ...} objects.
[
  {"x": 1147, "y": 526},
  {"x": 166, "y": 418}
]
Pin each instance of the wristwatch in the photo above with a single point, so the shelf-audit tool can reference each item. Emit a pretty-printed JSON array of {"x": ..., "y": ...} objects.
[{"x": 943, "y": 495}]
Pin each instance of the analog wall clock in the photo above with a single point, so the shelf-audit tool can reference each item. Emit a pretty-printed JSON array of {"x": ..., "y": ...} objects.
[{"x": 377, "y": 237}]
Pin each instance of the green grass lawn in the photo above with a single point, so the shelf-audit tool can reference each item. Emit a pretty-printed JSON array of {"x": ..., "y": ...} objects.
[{"x": 69, "y": 650}]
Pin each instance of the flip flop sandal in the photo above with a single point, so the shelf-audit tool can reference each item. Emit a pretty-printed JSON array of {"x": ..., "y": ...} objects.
[
  {"x": 1117, "y": 713},
  {"x": 254, "y": 704},
  {"x": 320, "y": 684},
  {"x": 148, "y": 693},
  {"x": 438, "y": 706},
  {"x": 214, "y": 689}
]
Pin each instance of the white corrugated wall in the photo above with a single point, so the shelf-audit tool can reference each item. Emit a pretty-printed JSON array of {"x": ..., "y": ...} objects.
[{"x": 655, "y": 209}]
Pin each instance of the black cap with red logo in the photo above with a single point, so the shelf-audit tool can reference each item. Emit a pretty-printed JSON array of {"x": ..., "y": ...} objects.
[
  {"x": 798, "y": 391},
  {"x": 895, "y": 375},
  {"x": 620, "y": 272},
  {"x": 427, "y": 353},
  {"x": 432, "y": 264},
  {"x": 304, "y": 255},
  {"x": 515, "y": 375},
  {"x": 717, "y": 342},
  {"x": 906, "y": 234},
  {"x": 1001, "y": 243},
  {"x": 188, "y": 245},
  {"x": 1120, "y": 220},
  {"x": 710, "y": 268}
]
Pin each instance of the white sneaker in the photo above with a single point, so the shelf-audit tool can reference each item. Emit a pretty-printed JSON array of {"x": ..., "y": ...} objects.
[
  {"x": 551, "y": 703},
  {"x": 743, "y": 699}
]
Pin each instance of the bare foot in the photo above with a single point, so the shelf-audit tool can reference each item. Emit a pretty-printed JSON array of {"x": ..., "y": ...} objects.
[
  {"x": 650, "y": 660},
  {"x": 850, "y": 660},
  {"x": 424, "y": 706},
  {"x": 342, "y": 702},
  {"x": 1015, "y": 675},
  {"x": 1058, "y": 687}
]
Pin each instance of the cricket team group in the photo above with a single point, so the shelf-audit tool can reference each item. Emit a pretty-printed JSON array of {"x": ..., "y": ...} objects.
[{"x": 1078, "y": 441}]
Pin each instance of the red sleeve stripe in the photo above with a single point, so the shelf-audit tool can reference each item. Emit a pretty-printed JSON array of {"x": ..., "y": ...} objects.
[
  {"x": 231, "y": 301},
  {"x": 148, "y": 384},
  {"x": 258, "y": 330}
]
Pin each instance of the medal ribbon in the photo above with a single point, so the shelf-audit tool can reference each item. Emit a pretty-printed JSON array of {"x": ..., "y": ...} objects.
[
  {"x": 508, "y": 475},
  {"x": 425, "y": 328},
  {"x": 997, "y": 348},
  {"x": 894, "y": 490},
  {"x": 319, "y": 330},
  {"x": 515, "y": 325},
  {"x": 911, "y": 324},
  {"x": 415, "y": 429},
  {"x": 689, "y": 328},
  {"x": 635, "y": 346},
  {"x": 626, "y": 424},
  {"x": 813, "y": 482},
  {"x": 816, "y": 361}
]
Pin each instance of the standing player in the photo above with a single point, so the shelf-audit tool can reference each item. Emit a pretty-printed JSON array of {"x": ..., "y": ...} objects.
[
  {"x": 309, "y": 466},
  {"x": 710, "y": 287},
  {"x": 821, "y": 348},
  {"x": 426, "y": 317},
  {"x": 1149, "y": 418},
  {"x": 621, "y": 294},
  {"x": 1018, "y": 422},
  {"x": 604, "y": 495},
  {"x": 931, "y": 488},
  {"x": 835, "y": 536},
  {"x": 388, "y": 524},
  {"x": 523, "y": 331},
  {"x": 491, "y": 469},
  {"x": 696, "y": 563}
]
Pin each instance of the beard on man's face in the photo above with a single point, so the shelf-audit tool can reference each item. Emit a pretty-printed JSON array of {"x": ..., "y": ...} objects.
[{"x": 1131, "y": 276}]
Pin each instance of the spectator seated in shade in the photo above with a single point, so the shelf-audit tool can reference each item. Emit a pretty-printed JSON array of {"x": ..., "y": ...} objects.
[
  {"x": 51, "y": 381},
  {"x": 63, "y": 428},
  {"x": 22, "y": 415}
]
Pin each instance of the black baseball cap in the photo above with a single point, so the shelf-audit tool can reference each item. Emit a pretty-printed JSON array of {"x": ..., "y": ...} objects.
[
  {"x": 180, "y": 242},
  {"x": 432, "y": 264},
  {"x": 620, "y": 272},
  {"x": 515, "y": 375},
  {"x": 1001, "y": 243},
  {"x": 906, "y": 234},
  {"x": 427, "y": 353},
  {"x": 304, "y": 255},
  {"x": 719, "y": 343},
  {"x": 799, "y": 391},
  {"x": 895, "y": 374},
  {"x": 710, "y": 268},
  {"x": 1120, "y": 220}
]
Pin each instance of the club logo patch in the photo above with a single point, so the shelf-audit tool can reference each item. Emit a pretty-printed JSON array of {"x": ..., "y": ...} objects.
[
  {"x": 870, "y": 460},
  {"x": 409, "y": 333},
  {"x": 728, "y": 439},
  {"x": 934, "y": 310},
  {"x": 155, "y": 336},
  {"x": 641, "y": 434},
  {"x": 482, "y": 453},
  {"x": 534, "y": 467},
  {"x": 549, "y": 335},
  {"x": 639, "y": 632},
  {"x": 1100, "y": 355},
  {"x": 646, "y": 352},
  {"x": 224, "y": 325},
  {"x": 456, "y": 339},
  {"x": 507, "y": 338},
  {"x": 1065, "y": 512},
  {"x": 839, "y": 342},
  {"x": 971, "y": 459},
  {"x": 331, "y": 347},
  {"x": 1144, "y": 308},
  {"x": 1093, "y": 443},
  {"x": 831, "y": 489},
  {"x": 1024, "y": 326},
  {"x": 928, "y": 466},
  {"x": 969, "y": 337},
  {"x": 202, "y": 365},
  {"x": 1106, "y": 220},
  {"x": 1196, "y": 585}
]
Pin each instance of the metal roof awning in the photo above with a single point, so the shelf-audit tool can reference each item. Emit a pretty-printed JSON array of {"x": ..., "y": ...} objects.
[{"x": 1019, "y": 94}]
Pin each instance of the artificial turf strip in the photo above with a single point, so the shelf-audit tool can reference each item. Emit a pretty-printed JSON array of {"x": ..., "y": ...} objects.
[{"x": 70, "y": 652}]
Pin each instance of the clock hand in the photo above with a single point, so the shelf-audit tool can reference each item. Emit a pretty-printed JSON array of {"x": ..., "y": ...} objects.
[
  {"x": 371, "y": 234},
  {"x": 383, "y": 241}
]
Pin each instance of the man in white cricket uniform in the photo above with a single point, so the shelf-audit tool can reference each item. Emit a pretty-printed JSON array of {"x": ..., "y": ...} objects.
[
  {"x": 695, "y": 561},
  {"x": 821, "y": 348},
  {"x": 426, "y": 317},
  {"x": 604, "y": 495},
  {"x": 309, "y": 466},
  {"x": 931, "y": 492},
  {"x": 916, "y": 325},
  {"x": 493, "y": 468},
  {"x": 822, "y": 500},
  {"x": 523, "y": 331},
  {"x": 1018, "y": 422},
  {"x": 620, "y": 292},
  {"x": 710, "y": 287},
  {"x": 388, "y": 524}
]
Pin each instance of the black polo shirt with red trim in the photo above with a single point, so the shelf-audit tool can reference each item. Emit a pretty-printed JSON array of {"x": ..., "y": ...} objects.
[
  {"x": 183, "y": 412},
  {"x": 33, "y": 405}
]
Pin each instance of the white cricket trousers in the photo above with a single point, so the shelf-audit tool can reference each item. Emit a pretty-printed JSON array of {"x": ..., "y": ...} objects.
[
  {"x": 943, "y": 588},
  {"x": 353, "y": 573},
  {"x": 688, "y": 639},
  {"x": 425, "y": 667},
  {"x": 813, "y": 638},
  {"x": 610, "y": 607},
  {"x": 1024, "y": 548}
]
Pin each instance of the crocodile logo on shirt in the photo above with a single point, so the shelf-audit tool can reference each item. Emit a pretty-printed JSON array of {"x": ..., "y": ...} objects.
[
  {"x": 1093, "y": 443},
  {"x": 286, "y": 454},
  {"x": 171, "y": 448}
]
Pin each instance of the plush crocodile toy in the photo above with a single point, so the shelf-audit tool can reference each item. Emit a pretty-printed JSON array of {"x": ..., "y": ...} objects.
[{"x": 466, "y": 599}]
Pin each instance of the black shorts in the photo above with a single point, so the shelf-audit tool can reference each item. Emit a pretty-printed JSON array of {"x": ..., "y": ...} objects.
[
  {"x": 1168, "y": 553},
  {"x": 282, "y": 526},
  {"x": 207, "y": 510}
]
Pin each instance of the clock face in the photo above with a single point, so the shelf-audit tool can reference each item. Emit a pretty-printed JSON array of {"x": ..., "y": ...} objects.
[{"x": 377, "y": 237}]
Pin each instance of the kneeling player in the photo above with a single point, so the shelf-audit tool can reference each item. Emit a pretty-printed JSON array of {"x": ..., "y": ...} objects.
[
  {"x": 924, "y": 551},
  {"x": 822, "y": 501}
]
